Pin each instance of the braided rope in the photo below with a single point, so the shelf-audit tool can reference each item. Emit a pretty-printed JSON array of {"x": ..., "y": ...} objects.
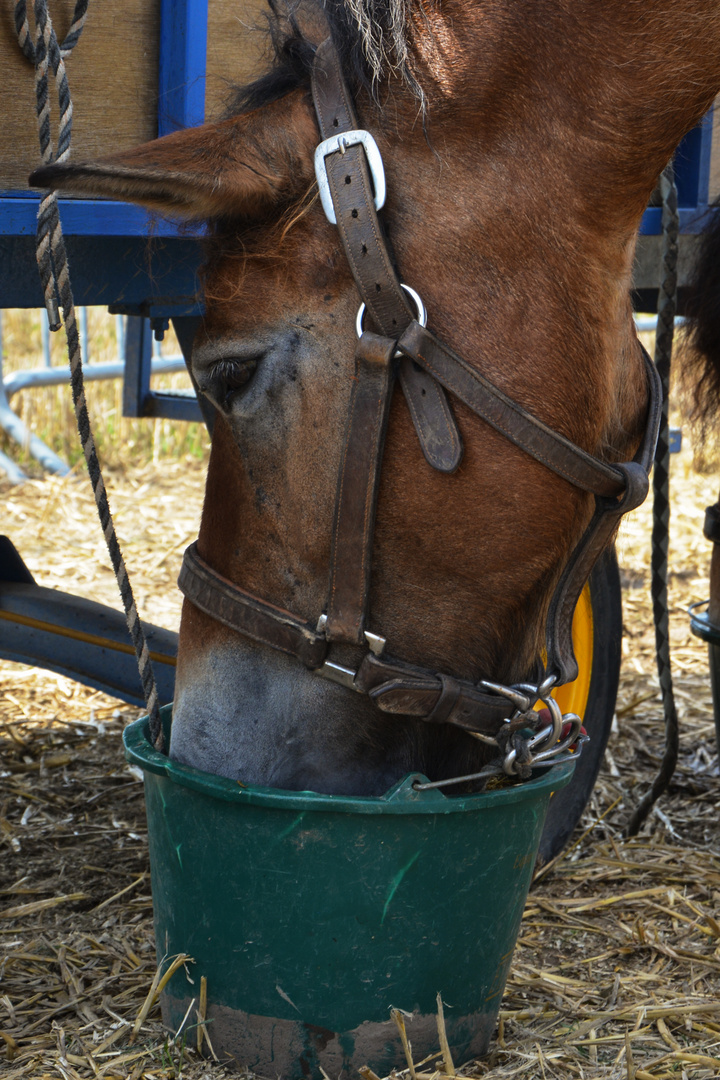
[
  {"x": 22, "y": 28},
  {"x": 47, "y": 56},
  {"x": 667, "y": 306}
]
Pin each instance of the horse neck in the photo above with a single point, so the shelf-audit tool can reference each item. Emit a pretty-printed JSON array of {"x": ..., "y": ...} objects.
[
  {"x": 549, "y": 124},
  {"x": 597, "y": 96}
]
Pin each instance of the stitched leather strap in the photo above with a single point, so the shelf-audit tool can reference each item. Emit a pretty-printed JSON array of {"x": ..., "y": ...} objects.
[
  {"x": 406, "y": 690},
  {"x": 354, "y": 520},
  {"x": 510, "y": 419},
  {"x": 367, "y": 253},
  {"x": 220, "y": 598},
  {"x": 598, "y": 534}
]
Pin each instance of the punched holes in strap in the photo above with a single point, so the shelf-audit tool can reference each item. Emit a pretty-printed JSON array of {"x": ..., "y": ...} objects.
[
  {"x": 366, "y": 250},
  {"x": 348, "y": 179}
]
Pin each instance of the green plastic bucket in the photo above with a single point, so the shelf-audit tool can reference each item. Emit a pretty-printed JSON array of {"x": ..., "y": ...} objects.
[{"x": 312, "y": 915}]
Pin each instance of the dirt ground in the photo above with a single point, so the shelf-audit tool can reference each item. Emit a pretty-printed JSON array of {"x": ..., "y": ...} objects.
[{"x": 617, "y": 970}]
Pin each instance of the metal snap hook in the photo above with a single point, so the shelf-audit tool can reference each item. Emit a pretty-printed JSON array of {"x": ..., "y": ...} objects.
[
  {"x": 550, "y": 734},
  {"x": 343, "y": 142}
]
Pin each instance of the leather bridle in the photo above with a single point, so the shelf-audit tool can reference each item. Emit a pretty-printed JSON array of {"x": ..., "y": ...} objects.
[{"x": 351, "y": 183}]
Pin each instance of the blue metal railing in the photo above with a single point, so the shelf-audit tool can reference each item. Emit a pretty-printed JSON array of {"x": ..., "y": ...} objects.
[{"x": 49, "y": 375}]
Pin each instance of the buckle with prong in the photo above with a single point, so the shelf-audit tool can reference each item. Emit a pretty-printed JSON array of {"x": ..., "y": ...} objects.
[
  {"x": 341, "y": 143},
  {"x": 345, "y": 676}
]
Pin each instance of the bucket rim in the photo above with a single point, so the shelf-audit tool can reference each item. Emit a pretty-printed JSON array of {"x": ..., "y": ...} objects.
[{"x": 401, "y": 798}]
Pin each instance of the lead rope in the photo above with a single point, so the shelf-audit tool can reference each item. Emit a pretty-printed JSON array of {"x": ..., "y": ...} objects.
[
  {"x": 47, "y": 56},
  {"x": 667, "y": 306}
]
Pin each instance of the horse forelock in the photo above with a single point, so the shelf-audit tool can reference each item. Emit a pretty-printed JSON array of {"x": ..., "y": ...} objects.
[
  {"x": 372, "y": 38},
  {"x": 382, "y": 33}
]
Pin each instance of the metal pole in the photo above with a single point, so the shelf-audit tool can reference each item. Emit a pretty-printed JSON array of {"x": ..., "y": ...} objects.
[
  {"x": 45, "y": 336},
  {"x": 17, "y": 430},
  {"x": 84, "y": 341},
  {"x": 120, "y": 337}
]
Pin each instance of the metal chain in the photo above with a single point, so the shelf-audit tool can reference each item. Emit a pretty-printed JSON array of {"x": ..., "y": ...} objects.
[
  {"x": 667, "y": 307},
  {"x": 526, "y": 741},
  {"x": 47, "y": 56}
]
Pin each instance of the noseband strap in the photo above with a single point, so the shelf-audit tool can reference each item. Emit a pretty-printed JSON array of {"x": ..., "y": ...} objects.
[
  {"x": 394, "y": 686},
  {"x": 426, "y": 367},
  {"x": 232, "y": 606}
]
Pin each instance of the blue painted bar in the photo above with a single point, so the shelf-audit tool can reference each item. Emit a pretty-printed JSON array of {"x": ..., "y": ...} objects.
[
  {"x": 88, "y": 217},
  {"x": 183, "y": 58},
  {"x": 692, "y": 177},
  {"x": 134, "y": 274},
  {"x": 675, "y": 440},
  {"x": 692, "y": 220}
]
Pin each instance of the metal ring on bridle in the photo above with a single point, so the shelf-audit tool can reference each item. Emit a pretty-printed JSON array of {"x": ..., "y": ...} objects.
[{"x": 421, "y": 312}]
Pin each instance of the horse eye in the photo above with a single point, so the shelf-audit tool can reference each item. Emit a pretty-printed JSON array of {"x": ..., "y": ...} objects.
[{"x": 231, "y": 375}]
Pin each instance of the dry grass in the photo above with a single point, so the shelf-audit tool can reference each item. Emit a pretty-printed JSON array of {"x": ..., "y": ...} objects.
[
  {"x": 617, "y": 969},
  {"x": 48, "y": 412}
]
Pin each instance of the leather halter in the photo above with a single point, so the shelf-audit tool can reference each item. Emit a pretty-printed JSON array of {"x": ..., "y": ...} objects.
[{"x": 426, "y": 367}]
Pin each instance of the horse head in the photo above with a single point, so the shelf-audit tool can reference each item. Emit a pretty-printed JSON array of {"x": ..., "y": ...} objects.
[{"x": 520, "y": 148}]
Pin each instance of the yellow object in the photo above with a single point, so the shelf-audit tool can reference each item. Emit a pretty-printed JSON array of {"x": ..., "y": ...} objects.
[{"x": 573, "y": 697}]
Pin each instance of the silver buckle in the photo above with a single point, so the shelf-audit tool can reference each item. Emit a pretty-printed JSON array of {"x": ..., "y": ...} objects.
[
  {"x": 343, "y": 675},
  {"x": 342, "y": 142}
]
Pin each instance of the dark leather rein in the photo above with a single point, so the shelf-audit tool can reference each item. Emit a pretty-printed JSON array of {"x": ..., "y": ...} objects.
[{"x": 351, "y": 181}]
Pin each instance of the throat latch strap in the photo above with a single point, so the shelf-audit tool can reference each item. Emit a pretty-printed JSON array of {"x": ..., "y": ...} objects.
[{"x": 510, "y": 419}]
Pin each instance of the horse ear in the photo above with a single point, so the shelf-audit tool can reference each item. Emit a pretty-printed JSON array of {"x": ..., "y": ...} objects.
[{"x": 237, "y": 167}]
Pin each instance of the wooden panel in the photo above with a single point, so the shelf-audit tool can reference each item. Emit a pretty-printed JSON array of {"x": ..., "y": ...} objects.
[
  {"x": 715, "y": 153},
  {"x": 236, "y": 49},
  {"x": 113, "y": 76}
]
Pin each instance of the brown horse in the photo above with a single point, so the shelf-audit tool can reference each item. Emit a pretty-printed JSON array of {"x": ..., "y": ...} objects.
[{"x": 521, "y": 145}]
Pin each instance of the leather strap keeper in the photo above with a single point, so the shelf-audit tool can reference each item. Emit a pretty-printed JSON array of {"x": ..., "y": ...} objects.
[{"x": 404, "y": 690}]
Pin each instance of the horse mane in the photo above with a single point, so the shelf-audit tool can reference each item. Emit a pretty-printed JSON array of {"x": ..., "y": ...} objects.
[
  {"x": 701, "y": 344},
  {"x": 370, "y": 36}
]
